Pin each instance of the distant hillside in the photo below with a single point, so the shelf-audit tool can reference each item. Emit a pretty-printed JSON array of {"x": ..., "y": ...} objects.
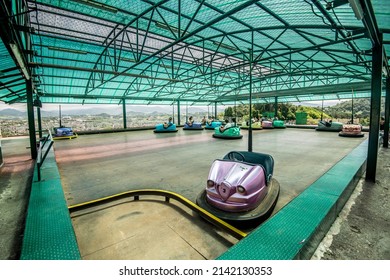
[
  {"x": 342, "y": 110},
  {"x": 12, "y": 113},
  {"x": 360, "y": 108},
  {"x": 81, "y": 111},
  {"x": 132, "y": 110}
]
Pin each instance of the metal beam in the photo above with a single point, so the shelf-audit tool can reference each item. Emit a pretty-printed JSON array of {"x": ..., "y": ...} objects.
[
  {"x": 39, "y": 122},
  {"x": 276, "y": 106},
  {"x": 168, "y": 46},
  {"x": 250, "y": 140},
  {"x": 376, "y": 91},
  {"x": 124, "y": 113},
  {"x": 31, "y": 120},
  {"x": 178, "y": 112},
  {"x": 315, "y": 90},
  {"x": 56, "y": 66},
  {"x": 370, "y": 23},
  {"x": 387, "y": 115},
  {"x": 333, "y": 23}
]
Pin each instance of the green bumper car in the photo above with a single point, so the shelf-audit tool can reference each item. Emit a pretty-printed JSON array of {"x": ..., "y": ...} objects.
[
  {"x": 255, "y": 126},
  {"x": 229, "y": 133},
  {"x": 279, "y": 124},
  {"x": 329, "y": 126}
]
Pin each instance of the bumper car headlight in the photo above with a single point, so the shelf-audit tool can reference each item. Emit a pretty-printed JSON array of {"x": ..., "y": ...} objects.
[
  {"x": 241, "y": 189},
  {"x": 210, "y": 183}
]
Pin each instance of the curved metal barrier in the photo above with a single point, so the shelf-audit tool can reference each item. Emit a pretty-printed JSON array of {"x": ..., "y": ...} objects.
[{"x": 168, "y": 195}]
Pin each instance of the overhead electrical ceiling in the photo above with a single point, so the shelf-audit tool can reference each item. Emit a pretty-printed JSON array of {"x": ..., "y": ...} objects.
[{"x": 195, "y": 51}]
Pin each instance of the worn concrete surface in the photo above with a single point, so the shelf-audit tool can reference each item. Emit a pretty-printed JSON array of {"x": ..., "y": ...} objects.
[
  {"x": 362, "y": 234},
  {"x": 94, "y": 166},
  {"x": 362, "y": 231},
  {"x": 15, "y": 182},
  {"x": 148, "y": 229}
]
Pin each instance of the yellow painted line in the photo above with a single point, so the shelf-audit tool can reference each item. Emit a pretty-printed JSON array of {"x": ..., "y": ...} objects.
[
  {"x": 65, "y": 137},
  {"x": 236, "y": 232}
]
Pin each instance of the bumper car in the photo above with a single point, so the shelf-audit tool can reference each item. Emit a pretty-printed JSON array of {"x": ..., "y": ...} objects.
[
  {"x": 229, "y": 133},
  {"x": 194, "y": 126},
  {"x": 255, "y": 126},
  {"x": 329, "y": 126},
  {"x": 160, "y": 128},
  {"x": 240, "y": 188},
  {"x": 278, "y": 124},
  {"x": 267, "y": 124},
  {"x": 213, "y": 125},
  {"x": 63, "y": 133},
  {"x": 351, "y": 130}
]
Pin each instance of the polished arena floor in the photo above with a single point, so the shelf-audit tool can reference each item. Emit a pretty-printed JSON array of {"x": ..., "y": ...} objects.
[{"x": 100, "y": 165}]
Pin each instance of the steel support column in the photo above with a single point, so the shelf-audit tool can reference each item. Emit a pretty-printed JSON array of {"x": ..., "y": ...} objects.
[
  {"x": 387, "y": 114},
  {"x": 215, "y": 110},
  {"x": 124, "y": 113},
  {"x": 352, "y": 118},
  {"x": 31, "y": 120},
  {"x": 39, "y": 122},
  {"x": 376, "y": 90},
  {"x": 187, "y": 112},
  {"x": 178, "y": 112},
  {"x": 173, "y": 112},
  {"x": 276, "y": 107},
  {"x": 60, "y": 115},
  {"x": 250, "y": 143}
]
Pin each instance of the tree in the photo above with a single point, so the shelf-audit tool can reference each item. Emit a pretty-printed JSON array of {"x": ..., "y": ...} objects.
[{"x": 229, "y": 112}]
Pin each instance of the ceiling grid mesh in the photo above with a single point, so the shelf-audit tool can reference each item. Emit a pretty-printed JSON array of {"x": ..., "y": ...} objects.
[{"x": 105, "y": 51}]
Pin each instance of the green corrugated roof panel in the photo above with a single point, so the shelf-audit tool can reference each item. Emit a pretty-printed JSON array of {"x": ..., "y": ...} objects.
[
  {"x": 116, "y": 48},
  {"x": 342, "y": 15},
  {"x": 12, "y": 84}
]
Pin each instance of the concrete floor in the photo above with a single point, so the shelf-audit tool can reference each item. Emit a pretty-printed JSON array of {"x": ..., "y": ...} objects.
[
  {"x": 95, "y": 166},
  {"x": 15, "y": 182},
  {"x": 362, "y": 230}
]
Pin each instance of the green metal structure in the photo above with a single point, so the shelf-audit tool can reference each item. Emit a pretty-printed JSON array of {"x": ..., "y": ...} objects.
[
  {"x": 201, "y": 52},
  {"x": 198, "y": 51}
]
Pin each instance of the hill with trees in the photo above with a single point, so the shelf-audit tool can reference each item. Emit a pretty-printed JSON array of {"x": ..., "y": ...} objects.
[{"x": 287, "y": 111}]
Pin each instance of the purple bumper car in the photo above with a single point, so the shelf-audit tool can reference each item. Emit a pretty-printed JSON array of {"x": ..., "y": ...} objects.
[
  {"x": 63, "y": 133},
  {"x": 267, "y": 125},
  {"x": 193, "y": 126},
  {"x": 240, "y": 188}
]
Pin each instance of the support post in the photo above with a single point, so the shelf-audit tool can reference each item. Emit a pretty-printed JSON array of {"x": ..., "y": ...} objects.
[
  {"x": 60, "y": 115},
  {"x": 352, "y": 120},
  {"x": 250, "y": 144},
  {"x": 276, "y": 107},
  {"x": 39, "y": 122},
  {"x": 124, "y": 113},
  {"x": 387, "y": 114},
  {"x": 178, "y": 112},
  {"x": 215, "y": 110},
  {"x": 376, "y": 90},
  {"x": 31, "y": 120},
  {"x": 173, "y": 112},
  {"x": 187, "y": 112}
]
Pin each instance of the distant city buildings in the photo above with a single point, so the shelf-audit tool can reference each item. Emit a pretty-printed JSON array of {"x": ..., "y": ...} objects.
[{"x": 18, "y": 126}]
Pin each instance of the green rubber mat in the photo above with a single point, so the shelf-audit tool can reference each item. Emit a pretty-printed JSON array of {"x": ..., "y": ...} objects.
[
  {"x": 297, "y": 229},
  {"x": 49, "y": 232}
]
